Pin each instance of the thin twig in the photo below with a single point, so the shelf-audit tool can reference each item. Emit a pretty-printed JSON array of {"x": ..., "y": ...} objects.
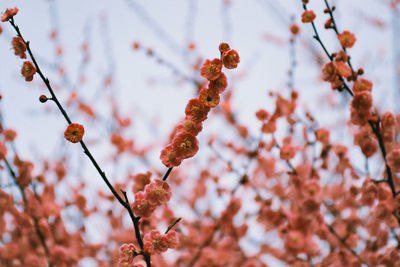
[
  {"x": 374, "y": 125},
  {"x": 124, "y": 203},
  {"x": 172, "y": 225}
]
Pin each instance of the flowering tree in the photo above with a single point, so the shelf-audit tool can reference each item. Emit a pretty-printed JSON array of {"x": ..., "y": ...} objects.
[{"x": 283, "y": 190}]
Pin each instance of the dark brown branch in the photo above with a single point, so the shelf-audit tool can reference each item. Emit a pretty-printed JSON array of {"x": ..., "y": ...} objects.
[
  {"x": 167, "y": 174},
  {"x": 124, "y": 203}
]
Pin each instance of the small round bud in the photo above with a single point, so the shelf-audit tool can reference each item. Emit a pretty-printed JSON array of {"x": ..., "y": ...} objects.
[
  {"x": 136, "y": 45},
  {"x": 43, "y": 98},
  {"x": 294, "y": 29},
  {"x": 223, "y": 47}
]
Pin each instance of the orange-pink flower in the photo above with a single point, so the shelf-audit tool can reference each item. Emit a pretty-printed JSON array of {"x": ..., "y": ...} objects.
[
  {"x": 28, "y": 70},
  {"x": 19, "y": 47},
  {"x": 393, "y": 160},
  {"x": 169, "y": 157},
  {"x": 329, "y": 73},
  {"x": 287, "y": 152},
  {"x": 190, "y": 127},
  {"x": 362, "y": 85},
  {"x": 127, "y": 254},
  {"x": 322, "y": 135},
  {"x": 9, "y": 134},
  {"x": 74, "y": 132},
  {"x": 142, "y": 206},
  {"x": 211, "y": 69},
  {"x": 362, "y": 101},
  {"x": 196, "y": 111},
  {"x": 172, "y": 239},
  {"x": 360, "y": 117},
  {"x": 158, "y": 192},
  {"x": 223, "y": 47},
  {"x": 186, "y": 145},
  {"x": 262, "y": 115},
  {"x": 155, "y": 242},
  {"x": 347, "y": 39},
  {"x": 9, "y": 13},
  {"x": 230, "y": 59},
  {"x": 140, "y": 181},
  {"x": 308, "y": 16},
  {"x": 220, "y": 83},
  {"x": 209, "y": 97},
  {"x": 342, "y": 69}
]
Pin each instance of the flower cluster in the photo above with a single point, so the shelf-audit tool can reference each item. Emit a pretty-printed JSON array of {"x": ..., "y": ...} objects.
[
  {"x": 153, "y": 243},
  {"x": 155, "y": 194},
  {"x": 333, "y": 71},
  {"x": 184, "y": 143},
  {"x": 157, "y": 243},
  {"x": 18, "y": 44}
]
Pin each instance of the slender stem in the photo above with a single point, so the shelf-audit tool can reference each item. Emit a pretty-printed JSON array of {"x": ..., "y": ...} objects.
[
  {"x": 334, "y": 26},
  {"x": 172, "y": 225},
  {"x": 137, "y": 230},
  {"x": 317, "y": 37},
  {"x": 378, "y": 135},
  {"x": 167, "y": 174}
]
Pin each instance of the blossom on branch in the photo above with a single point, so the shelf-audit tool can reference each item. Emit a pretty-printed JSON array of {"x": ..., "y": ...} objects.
[
  {"x": 393, "y": 160},
  {"x": 9, "y": 13},
  {"x": 74, "y": 132},
  {"x": 211, "y": 69},
  {"x": 142, "y": 206},
  {"x": 157, "y": 243},
  {"x": 28, "y": 70},
  {"x": 158, "y": 192},
  {"x": 209, "y": 97},
  {"x": 308, "y": 16},
  {"x": 347, "y": 39},
  {"x": 230, "y": 59},
  {"x": 19, "y": 47}
]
